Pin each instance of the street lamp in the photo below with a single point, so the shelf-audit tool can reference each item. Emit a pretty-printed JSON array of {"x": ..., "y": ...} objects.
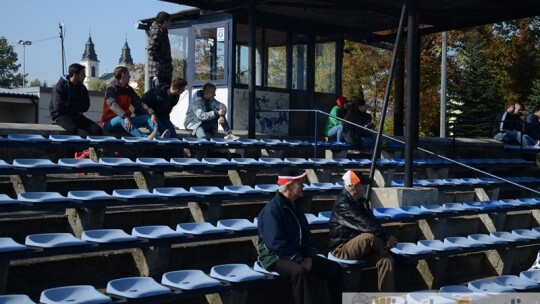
[{"x": 24, "y": 43}]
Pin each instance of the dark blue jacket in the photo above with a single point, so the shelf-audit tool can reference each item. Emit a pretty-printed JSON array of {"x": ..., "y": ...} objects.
[
  {"x": 284, "y": 232},
  {"x": 68, "y": 98}
]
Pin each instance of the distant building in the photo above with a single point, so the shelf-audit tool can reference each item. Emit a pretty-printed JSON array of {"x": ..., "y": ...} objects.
[{"x": 90, "y": 61}]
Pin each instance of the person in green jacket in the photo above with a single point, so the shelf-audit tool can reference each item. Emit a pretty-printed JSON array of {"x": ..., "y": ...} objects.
[{"x": 333, "y": 125}]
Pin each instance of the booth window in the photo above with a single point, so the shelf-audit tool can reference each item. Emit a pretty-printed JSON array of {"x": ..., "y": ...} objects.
[
  {"x": 299, "y": 62},
  {"x": 325, "y": 67},
  {"x": 179, "y": 50},
  {"x": 242, "y": 56},
  {"x": 276, "y": 58},
  {"x": 210, "y": 53}
]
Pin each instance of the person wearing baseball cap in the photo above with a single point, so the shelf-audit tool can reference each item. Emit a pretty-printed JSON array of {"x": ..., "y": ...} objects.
[
  {"x": 286, "y": 245},
  {"x": 333, "y": 125},
  {"x": 355, "y": 233}
]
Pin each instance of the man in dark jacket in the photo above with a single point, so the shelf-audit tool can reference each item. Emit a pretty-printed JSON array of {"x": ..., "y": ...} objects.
[
  {"x": 355, "y": 233},
  {"x": 286, "y": 245},
  {"x": 70, "y": 100},
  {"x": 159, "y": 51},
  {"x": 532, "y": 124},
  {"x": 162, "y": 100},
  {"x": 507, "y": 127}
]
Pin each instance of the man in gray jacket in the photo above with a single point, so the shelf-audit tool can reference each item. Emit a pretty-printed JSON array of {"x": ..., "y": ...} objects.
[{"x": 205, "y": 113}]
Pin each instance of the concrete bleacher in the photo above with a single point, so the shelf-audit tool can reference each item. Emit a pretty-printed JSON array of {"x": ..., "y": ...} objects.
[{"x": 199, "y": 252}]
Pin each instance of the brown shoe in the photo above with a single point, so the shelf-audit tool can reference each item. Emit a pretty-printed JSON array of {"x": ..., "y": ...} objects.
[{"x": 152, "y": 135}]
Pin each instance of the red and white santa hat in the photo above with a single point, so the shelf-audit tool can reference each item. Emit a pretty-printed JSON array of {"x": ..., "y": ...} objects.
[{"x": 289, "y": 176}]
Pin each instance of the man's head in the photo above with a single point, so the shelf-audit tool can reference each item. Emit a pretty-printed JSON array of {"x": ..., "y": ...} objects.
[
  {"x": 518, "y": 109},
  {"x": 209, "y": 91},
  {"x": 178, "y": 85},
  {"x": 536, "y": 110},
  {"x": 510, "y": 106},
  {"x": 342, "y": 102},
  {"x": 77, "y": 73},
  {"x": 355, "y": 183},
  {"x": 121, "y": 74},
  {"x": 291, "y": 183},
  {"x": 164, "y": 19}
]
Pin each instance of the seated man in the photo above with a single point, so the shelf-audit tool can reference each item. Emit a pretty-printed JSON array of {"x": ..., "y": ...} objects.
[
  {"x": 162, "y": 99},
  {"x": 285, "y": 243},
  {"x": 532, "y": 124},
  {"x": 507, "y": 127},
  {"x": 355, "y": 233},
  {"x": 119, "y": 96},
  {"x": 355, "y": 132},
  {"x": 205, "y": 113}
]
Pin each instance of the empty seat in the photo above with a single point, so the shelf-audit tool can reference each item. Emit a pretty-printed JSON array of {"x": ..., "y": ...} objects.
[
  {"x": 78, "y": 163},
  {"x": 168, "y": 140},
  {"x": 83, "y": 294},
  {"x": 486, "y": 239},
  {"x": 107, "y": 236},
  {"x": 6, "y": 200},
  {"x": 268, "y": 188},
  {"x": 136, "y": 287},
  {"x": 526, "y": 233},
  {"x": 27, "y": 137},
  {"x": 104, "y": 139},
  {"x": 67, "y": 138},
  {"x": 296, "y": 161},
  {"x": 15, "y": 299},
  {"x": 436, "y": 208},
  {"x": 460, "y": 293},
  {"x": 152, "y": 161},
  {"x": 250, "y": 142},
  {"x": 236, "y": 224},
  {"x": 188, "y": 280},
  {"x": 516, "y": 282},
  {"x": 323, "y": 161},
  {"x": 245, "y": 161},
  {"x": 418, "y": 297},
  {"x": 270, "y": 161},
  {"x": 241, "y": 190},
  {"x": 325, "y": 215},
  {"x": 211, "y": 162},
  {"x": 409, "y": 249},
  {"x": 186, "y": 162},
  {"x": 508, "y": 236},
  {"x": 133, "y": 194},
  {"x": 342, "y": 261},
  {"x": 235, "y": 273},
  {"x": 488, "y": 286},
  {"x": 4, "y": 165},
  {"x": 393, "y": 213},
  {"x": 50, "y": 240},
  {"x": 197, "y": 141},
  {"x": 171, "y": 192},
  {"x": 259, "y": 268},
  {"x": 273, "y": 142},
  {"x": 198, "y": 228},
  {"x": 295, "y": 142},
  {"x": 531, "y": 275},
  {"x": 463, "y": 242},
  {"x": 458, "y": 207},
  {"x": 312, "y": 219},
  {"x": 42, "y": 197},
  {"x": 116, "y": 162},
  {"x": 155, "y": 232},
  {"x": 139, "y": 140},
  {"x": 206, "y": 190},
  {"x": 437, "y": 245},
  {"x": 415, "y": 210},
  {"x": 7, "y": 244},
  {"x": 34, "y": 163},
  {"x": 89, "y": 195}
]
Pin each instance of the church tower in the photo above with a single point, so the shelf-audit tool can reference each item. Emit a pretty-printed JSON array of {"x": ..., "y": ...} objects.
[
  {"x": 126, "y": 59},
  {"x": 90, "y": 61}
]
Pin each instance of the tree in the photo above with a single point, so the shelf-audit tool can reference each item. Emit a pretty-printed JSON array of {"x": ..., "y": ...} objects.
[
  {"x": 8, "y": 66},
  {"x": 97, "y": 85},
  {"x": 138, "y": 69},
  {"x": 35, "y": 83}
]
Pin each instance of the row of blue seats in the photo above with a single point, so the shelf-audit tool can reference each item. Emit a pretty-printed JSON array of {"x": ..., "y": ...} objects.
[
  {"x": 467, "y": 182},
  {"x": 22, "y": 140},
  {"x": 160, "y": 195}
]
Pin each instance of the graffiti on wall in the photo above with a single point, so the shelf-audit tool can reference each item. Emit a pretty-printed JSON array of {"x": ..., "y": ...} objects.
[{"x": 272, "y": 123}]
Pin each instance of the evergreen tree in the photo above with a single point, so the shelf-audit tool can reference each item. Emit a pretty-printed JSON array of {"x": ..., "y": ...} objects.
[{"x": 475, "y": 95}]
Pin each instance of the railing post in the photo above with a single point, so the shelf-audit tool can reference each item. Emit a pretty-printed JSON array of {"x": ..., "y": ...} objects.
[{"x": 316, "y": 134}]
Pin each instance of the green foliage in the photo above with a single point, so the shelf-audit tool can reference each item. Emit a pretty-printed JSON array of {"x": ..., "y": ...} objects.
[
  {"x": 8, "y": 66},
  {"x": 35, "y": 83},
  {"x": 97, "y": 85}
]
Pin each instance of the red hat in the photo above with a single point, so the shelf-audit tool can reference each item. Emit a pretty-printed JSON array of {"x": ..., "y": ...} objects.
[
  {"x": 341, "y": 101},
  {"x": 289, "y": 176}
]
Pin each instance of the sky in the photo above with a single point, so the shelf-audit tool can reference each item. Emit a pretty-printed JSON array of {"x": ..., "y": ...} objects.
[{"x": 108, "y": 21}]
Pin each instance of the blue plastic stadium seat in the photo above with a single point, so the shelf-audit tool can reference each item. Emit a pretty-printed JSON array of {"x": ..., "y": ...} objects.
[
  {"x": 326, "y": 186},
  {"x": 516, "y": 202},
  {"x": 323, "y": 161},
  {"x": 152, "y": 161},
  {"x": 136, "y": 287},
  {"x": 418, "y": 297},
  {"x": 116, "y": 161},
  {"x": 171, "y": 192},
  {"x": 344, "y": 161},
  {"x": 73, "y": 294},
  {"x": 155, "y": 232},
  {"x": 259, "y": 268},
  {"x": 436, "y": 208},
  {"x": 67, "y": 138},
  {"x": 206, "y": 190},
  {"x": 133, "y": 194},
  {"x": 7, "y": 244},
  {"x": 245, "y": 161},
  {"x": 224, "y": 141},
  {"x": 104, "y": 139},
  {"x": 458, "y": 207},
  {"x": 240, "y": 189},
  {"x": 389, "y": 162},
  {"x": 409, "y": 249},
  {"x": 297, "y": 161},
  {"x": 484, "y": 206},
  {"x": 34, "y": 163},
  {"x": 107, "y": 236},
  {"x": 325, "y": 215},
  {"x": 437, "y": 245},
  {"x": 78, "y": 163},
  {"x": 197, "y": 141},
  {"x": 488, "y": 286},
  {"x": 296, "y": 142},
  {"x": 235, "y": 273},
  {"x": 516, "y": 282},
  {"x": 460, "y": 292},
  {"x": 4, "y": 165},
  {"x": 508, "y": 236},
  {"x": 42, "y": 197},
  {"x": 6, "y": 200},
  {"x": 249, "y": 142},
  {"x": 415, "y": 210},
  {"x": 168, "y": 140},
  {"x": 527, "y": 233},
  {"x": 188, "y": 279},
  {"x": 268, "y": 188},
  {"x": 198, "y": 228},
  {"x": 236, "y": 224},
  {"x": 531, "y": 276},
  {"x": 463, "y": 242},
  {"x": 312, "y": 219},
  {"x": 27, "y": 137},
  {"x": 138, "y": 140},
  {"x": 211, "y": 162},
  {"x": 50, "y": 240},
  {"x": 186, "y": 162},
  {"x": 394, "y": 213},
  {"x": 486, "y": 239},
  {"x": 342, "y": 261},
  {"x": 273, "y": 142},
  {"x": 270, "y": 161},
  {"x": 89, "y": 195},
  {"x": 15, "y": 299}
]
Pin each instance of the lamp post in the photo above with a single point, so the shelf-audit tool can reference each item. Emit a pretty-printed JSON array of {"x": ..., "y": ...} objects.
[{"x": 24, "y": 43}]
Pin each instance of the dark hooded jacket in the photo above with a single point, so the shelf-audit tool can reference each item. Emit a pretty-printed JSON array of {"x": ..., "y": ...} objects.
[{"x": 68, "y": 98}]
